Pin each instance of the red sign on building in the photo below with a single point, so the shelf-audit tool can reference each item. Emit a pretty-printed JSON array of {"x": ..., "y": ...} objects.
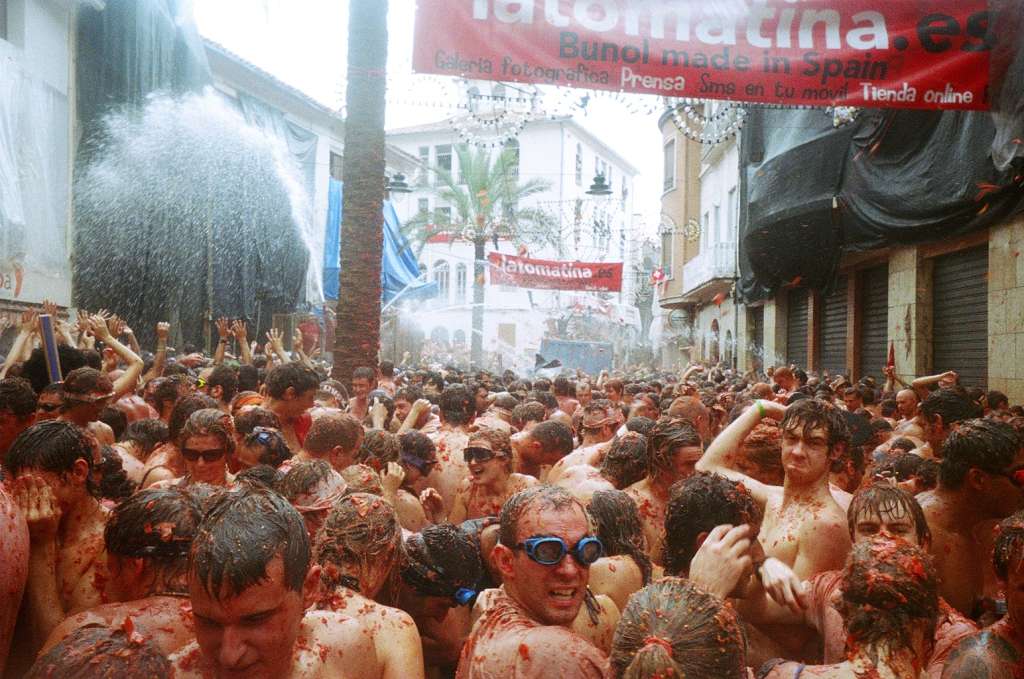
[
  {"x": 523, "y": 272},
  {"x": 874, "y": 53}
]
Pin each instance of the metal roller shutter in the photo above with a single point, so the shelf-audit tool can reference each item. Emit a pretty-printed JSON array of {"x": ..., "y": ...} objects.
[
  {"x": 960, "y": 312},
  {"x": 796, "y": 328},
  {"x": 833, "y": 330},
  {"x": 874, "y": 328}
]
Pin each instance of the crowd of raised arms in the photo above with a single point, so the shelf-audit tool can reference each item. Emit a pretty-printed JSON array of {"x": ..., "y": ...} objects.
[{"x": 172, "y": 514}]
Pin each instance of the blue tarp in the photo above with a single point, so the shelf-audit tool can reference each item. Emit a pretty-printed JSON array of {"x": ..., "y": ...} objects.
[{"x": 399, "y": 272}]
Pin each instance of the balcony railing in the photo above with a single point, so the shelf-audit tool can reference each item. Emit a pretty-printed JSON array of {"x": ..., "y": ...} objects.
[{"x": 717, "y": 261}]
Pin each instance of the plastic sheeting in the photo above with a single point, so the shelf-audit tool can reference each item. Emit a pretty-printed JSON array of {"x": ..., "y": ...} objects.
[
  {"x": 399, "y": 272},
  {"x": 33, "y": 186},
  {"x": 814, "y": 192}
]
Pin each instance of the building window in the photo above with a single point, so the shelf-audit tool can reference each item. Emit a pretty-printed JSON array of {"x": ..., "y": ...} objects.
[
  {"x": 670, "y": 165},
  {"x": 336, "y": 158},
  {"x": 460, "y": 283},
  {"x": 668, "y": 251},
  {"x": 705, "y": 232},
  {"x": 625, "y": 190},
  {"x": 444, "y": 157},
  {"x": 444, "y": 215},
  {"x": 717, "y": 237},
  {"x": 731, "y": 225},
  {"x": 423, "y": 206},
  {"x": 423, "y": 178},
  {"x": 579, "y": 164},
  {"x": 441, "y": 278},
  {"x": 512, "y": 148}
]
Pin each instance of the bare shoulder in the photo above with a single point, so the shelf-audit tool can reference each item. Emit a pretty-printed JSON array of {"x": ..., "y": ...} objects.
[
  {"x": 522, "y": 482},
  {"x": 561, "y": 653},
  {"x": 986, "y": 655},
  {"x": 339, "y": 646},
  {"x": 96, "y": 617}
]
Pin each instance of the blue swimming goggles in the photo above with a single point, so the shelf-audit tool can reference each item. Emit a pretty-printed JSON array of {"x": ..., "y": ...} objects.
[{"x": 550, "y": 550}]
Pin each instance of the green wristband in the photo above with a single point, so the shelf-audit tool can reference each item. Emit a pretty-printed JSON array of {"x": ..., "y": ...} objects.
[{"x": 760, "y": 408}]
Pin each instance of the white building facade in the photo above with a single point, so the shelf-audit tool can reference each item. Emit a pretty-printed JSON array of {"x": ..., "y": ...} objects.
[{"x": 589, "y": 228}]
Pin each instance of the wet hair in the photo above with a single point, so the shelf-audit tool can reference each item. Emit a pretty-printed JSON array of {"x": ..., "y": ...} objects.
[
  {"x": 295, "y": 375},
  {"x": 499, "y": 439},
  {"x": 114, "y": 482},
  {"x": 950, "y": 404},
  {"x": 164, "y": 390},
  {"x": 988, "y": 445},
  {"x": 671, "y": 628},
  {"x": 360, "y": 478},
  {"x": 115, "y": 419},
  {"x": 1009, "y": 548},
  {"x": 248, "y": 420},
  {"x": 457, "y": 404},
  {"x": 617, "y": 522},
  {"x": 889, "y": 588},
  {"x": 615, "y": 385},
  {"x": 525, "y": 413},
  {"x": 762, "y": 449},
  {"x": 274, "y": 449},
  {"x": 248, "y": 378},
  {"x": 50, "y": 446},
  {"x": 183, "y": 410},
  {"x": 242, "y": 532},
  {"x": 545, "y": 398},
  {"x": 886, "y": 498},
  {"x": 35, "y": 371},
  {"x": 302, "y": 478},
  {"x": 625, "y": 463},
  {"x": 410, "y": 394},
  {"x": 259, "y": 475},
  {"x": 906, "y": 466},
  {"x": 330, "y": 430},
  {"x": 387, "y": 368},
  {"x": 668, "y": 435},
  {"x": 888, "y": 407},
  {"x": 562, "y": 386},
  {"x": 365, "y": 373},
  {"x": 226, "y": 378},
  {"x": 86, "y": 380},
  {"x": 996, "y": 399},
  {"x": 418, "y": 446},
  {"x": 17, "y": 398},
  {"x": 146, "y": 434},
  {"x": 156, "y": 525},
  {"x": 378, "y": 448},
  {"x": 440, "y": 560},
  {"x": 696, "y": 505},
  {"x": 640, "y": 425},
  {"x": 209, "y": 422},
  {"x": 533, "y": 499},
  {"x": 811, "y": 413},
  {"x": 553, "y": 437},
  {"x": 102, "y": 652},
  {"x": 360, "y": 529}
]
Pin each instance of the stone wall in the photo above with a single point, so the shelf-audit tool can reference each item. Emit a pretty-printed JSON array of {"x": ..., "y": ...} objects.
[{"x": 1006, "y": 310}]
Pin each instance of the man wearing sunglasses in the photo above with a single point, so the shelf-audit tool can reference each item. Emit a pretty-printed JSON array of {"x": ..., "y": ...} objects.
[
  {"x": 545, "y": 550},
  {"x": 980, "y": 481}
]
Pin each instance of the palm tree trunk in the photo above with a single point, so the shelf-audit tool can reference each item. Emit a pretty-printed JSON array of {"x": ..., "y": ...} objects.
[
  {"x": 476, "y": 353},
  {"x": 357, "y": 340}
]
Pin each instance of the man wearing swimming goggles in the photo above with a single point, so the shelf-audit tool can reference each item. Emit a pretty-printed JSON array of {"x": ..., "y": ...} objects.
[{"x": 545, "y": 550}]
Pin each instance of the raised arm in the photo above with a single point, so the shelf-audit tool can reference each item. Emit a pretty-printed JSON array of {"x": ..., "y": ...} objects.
[
  {"x": 26, "y": 328},
  {"x": 238, "y": 329},
  {"x": 163, "y": 330},
  {"x": 715, "y": 458},
  {"x": 127, "y": 382},
  {"x": 277, "y": 344},
  {"x": 922, "y": 384},
  {"x": 223, "y": 332}
]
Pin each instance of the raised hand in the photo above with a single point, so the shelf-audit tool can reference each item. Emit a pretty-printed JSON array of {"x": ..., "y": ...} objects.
[
  {"x": 433, "y": 504},
  {"x": 99, "y": 327},
  {"x": 163, "y": 331},
  {"x": 29, "y": 321},
  {"x": 239, "y": 330},
  {"x": 50, "y": 308},
  {"x": 391, "y": 477},
  {"x": 39, "y": 506},
  {"x": 223, "y": 328},
  {"x": 275, "y": 337}
]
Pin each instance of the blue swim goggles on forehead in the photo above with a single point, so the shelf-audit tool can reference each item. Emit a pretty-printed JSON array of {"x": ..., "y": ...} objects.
[{"x": 549, "y": 550}]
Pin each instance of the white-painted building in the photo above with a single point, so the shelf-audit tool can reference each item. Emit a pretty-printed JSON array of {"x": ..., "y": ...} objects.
[{"x": 568, "y": 156}]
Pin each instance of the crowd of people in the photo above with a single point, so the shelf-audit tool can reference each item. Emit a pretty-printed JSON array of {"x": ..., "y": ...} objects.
[{"x": 244, "y": 514}]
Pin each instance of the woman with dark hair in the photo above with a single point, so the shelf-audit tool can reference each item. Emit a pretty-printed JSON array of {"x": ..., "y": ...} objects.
[
  {"x": 166, "y": 462},
  {"x": 673, "y": 629},
  {"x": 263, "y": 445},
  {"x": 625, "y": 567}
]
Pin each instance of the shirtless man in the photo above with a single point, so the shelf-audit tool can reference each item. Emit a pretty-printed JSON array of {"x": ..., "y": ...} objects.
[
  {"x": 997, "y": 652},
  {"x": 491, "y": 479},
  {"x": 939, "y": 414},
  {"x": 540, "y": 448},
  {"x": 17, "y": 411},
  {"x": 52, "y": 465},
  {"x": 364, "y": 380},
  {"x": 14, "y": 555},
  {"x": 312, "y": 487},
  {"x": 563, "y": 391},
  {"x": 544, "y": 555},
  {"x": 291, "y": 392},
  {"x": 979, "y": 482},
  {"x": 673, "y": 450},
  {"x": 412, "y": 411},
  {"x": 804, "y": 527},
  {"x": 250, "y": 582},
  {"x": 359, "y": 546},
  {"x": 334, "y": 437},
  {"x": 147, "y": 540},
  {"x": 458, "y": 409},
  {"x": 598, "y": 428}
]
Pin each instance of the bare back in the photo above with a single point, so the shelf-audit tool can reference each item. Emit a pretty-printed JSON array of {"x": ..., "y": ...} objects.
[{"x": 163, "y": 620}]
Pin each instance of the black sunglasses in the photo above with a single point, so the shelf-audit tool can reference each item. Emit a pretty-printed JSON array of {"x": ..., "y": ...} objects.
[
  {"x": 478, "y": 455},
  {"x": 207, "y": 455},
  {"x": 49, "y": 407}
]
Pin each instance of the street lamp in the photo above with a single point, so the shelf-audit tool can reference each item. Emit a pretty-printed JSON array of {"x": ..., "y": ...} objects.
[{"x": 600, "y": 186}]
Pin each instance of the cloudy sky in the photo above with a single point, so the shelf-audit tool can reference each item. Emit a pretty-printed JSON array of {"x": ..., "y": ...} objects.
[{"x": 304, "y": 43}]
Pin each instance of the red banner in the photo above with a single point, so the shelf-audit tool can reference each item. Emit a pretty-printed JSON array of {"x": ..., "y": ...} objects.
[
  {"x": 874, "y": 53},
  {"x": 522, "y": 272}
]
